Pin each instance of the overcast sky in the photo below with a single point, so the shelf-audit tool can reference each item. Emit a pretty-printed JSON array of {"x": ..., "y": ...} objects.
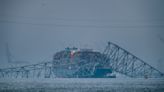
[{"x": 36, "y": 29}]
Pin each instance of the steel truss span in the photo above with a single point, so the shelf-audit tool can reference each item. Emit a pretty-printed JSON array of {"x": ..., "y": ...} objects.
[
  {"x": 124, "y": 62},
  {"x": 114, "y": 57}
]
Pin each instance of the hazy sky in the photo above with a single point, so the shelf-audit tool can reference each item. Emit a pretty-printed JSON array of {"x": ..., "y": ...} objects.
[{"x": 36, "y": 29}]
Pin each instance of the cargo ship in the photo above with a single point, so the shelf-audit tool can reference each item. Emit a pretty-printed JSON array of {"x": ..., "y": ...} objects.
[{"x": 80, "y": 63}]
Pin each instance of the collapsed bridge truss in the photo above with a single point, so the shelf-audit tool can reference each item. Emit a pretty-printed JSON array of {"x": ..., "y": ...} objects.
[
  {"x": 114, "y": 57},
  {"x": 124, "y": 62}
]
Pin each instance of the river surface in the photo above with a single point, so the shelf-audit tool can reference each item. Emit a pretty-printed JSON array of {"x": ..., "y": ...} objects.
[{"x": 82, "y": 85}]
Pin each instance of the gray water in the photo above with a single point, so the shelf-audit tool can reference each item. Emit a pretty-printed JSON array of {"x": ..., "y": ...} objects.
[{"x": 82, "y": 85}]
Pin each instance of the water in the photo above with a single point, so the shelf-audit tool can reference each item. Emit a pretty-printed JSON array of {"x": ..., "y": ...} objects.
[{"x": 82, "y": 85}]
